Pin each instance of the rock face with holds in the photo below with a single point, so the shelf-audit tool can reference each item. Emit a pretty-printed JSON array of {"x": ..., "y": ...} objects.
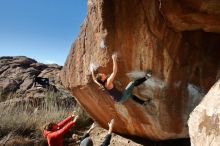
[{"x": 177, "y": 40}]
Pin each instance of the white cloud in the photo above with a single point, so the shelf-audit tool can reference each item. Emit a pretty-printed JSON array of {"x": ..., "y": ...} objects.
[{"x": 50, "y": 62}]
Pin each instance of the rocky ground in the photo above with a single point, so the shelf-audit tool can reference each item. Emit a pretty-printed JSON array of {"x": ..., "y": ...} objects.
[{"x": 99, "y": 133}]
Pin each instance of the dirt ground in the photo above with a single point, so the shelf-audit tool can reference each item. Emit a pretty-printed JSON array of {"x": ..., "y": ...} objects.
[{"x": 98, "y": 135}]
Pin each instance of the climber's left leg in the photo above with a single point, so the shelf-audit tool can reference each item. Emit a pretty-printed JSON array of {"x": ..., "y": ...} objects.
[
  {"x": 140, "y": 81},
  {"x": 127, "y": 92}
]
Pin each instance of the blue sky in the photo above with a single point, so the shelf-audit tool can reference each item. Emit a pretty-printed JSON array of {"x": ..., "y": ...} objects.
[{"x": 40, "y": 29}]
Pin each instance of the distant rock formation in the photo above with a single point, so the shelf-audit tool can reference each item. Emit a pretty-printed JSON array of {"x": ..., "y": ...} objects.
[
  {"x": 177, "y": 40},
  {"x": 204, "y": 128},
  {"x": 17, "y": 78}
]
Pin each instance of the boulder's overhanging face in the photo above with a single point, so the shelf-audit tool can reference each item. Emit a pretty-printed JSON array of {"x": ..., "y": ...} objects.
[
  {"x": 204, "y": 120},
  {"x": 185, "y": 65},
  {"x": 192, "y": 15}
]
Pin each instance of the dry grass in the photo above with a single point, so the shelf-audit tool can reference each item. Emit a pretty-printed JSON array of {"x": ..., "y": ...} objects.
[{"x": 28, "y": 121}]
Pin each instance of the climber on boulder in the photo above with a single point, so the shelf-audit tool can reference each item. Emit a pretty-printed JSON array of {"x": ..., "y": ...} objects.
[{"x": 107, "y": 84}]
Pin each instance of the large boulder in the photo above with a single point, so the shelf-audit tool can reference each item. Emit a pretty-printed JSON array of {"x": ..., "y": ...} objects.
[
  {"x": 174, "y": 39},
  {"x": 204, "y": 128}
]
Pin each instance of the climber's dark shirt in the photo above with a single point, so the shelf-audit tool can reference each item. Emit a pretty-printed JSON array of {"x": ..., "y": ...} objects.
[{"x": 115, "y": 94}]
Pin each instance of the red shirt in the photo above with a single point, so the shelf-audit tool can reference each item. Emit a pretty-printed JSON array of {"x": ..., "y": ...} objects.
[{"x": 54, "y": 138}]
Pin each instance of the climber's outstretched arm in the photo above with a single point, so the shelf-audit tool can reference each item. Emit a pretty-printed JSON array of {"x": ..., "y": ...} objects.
[
  {"x": 108, "y": 137},
  {"x": 86, "y": 134},
  {"x": 114, "y": 72},
  {"x": 110, "y": 126},
  {"x": 94, "y": 79}
]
